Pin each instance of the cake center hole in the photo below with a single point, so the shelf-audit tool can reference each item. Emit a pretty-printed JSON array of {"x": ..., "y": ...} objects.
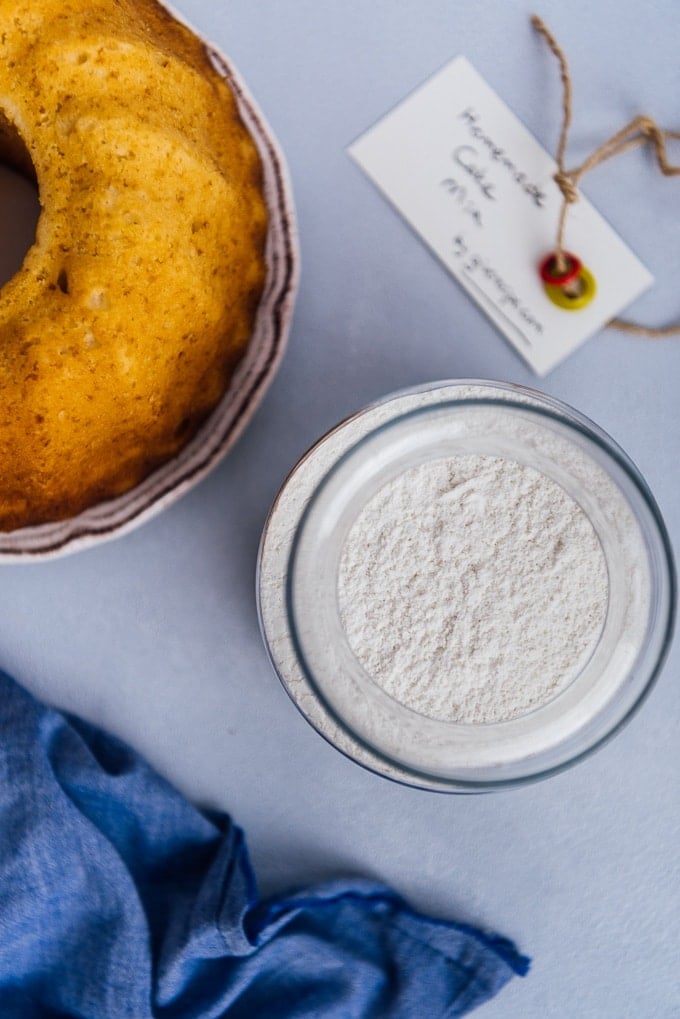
[
  {"x": 19, "y": 211},
  {"x": 19, "y": 204}
]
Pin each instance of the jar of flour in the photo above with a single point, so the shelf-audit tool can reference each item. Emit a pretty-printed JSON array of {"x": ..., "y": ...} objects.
[{"x": 466, "y": 586}]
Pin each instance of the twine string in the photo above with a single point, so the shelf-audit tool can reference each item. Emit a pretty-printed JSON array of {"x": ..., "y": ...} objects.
[{"x": 642, "y": 130}]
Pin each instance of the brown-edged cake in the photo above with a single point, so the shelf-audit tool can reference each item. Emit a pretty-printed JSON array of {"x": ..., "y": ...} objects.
[{"x": 121, "y": 331}]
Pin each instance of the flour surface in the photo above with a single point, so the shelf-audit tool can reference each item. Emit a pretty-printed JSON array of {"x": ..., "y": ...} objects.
[{"x": 472, "y": 589}]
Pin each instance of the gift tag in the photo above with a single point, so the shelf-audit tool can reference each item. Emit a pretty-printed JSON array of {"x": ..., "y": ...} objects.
[{"x": 479, "y": 190}]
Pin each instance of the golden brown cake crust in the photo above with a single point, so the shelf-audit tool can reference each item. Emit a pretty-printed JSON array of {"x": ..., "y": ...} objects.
[{"x": 122, "y": 329}]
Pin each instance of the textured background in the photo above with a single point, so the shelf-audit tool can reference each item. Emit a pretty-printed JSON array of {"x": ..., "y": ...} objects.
[{"x": 155, "y": 636}]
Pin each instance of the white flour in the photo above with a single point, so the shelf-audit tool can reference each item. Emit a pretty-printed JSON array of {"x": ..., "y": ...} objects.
[{"x": 472, "y": 589}]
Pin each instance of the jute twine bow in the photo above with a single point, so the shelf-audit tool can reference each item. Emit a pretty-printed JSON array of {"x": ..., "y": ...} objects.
[{"x": 642, "y": 130}]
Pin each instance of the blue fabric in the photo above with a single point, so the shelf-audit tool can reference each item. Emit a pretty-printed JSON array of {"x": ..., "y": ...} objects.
[{"x": 120, "y": 899}]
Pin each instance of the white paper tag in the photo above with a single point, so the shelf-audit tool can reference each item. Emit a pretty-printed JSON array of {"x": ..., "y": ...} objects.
[{"x": 478, "y": 188}]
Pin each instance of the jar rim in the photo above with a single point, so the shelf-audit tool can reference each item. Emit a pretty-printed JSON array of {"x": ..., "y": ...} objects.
[{"x": 542, "y": 407}]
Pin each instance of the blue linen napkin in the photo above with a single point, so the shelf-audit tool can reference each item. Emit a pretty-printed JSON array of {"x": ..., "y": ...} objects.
[{"x": 119, "y": 900}]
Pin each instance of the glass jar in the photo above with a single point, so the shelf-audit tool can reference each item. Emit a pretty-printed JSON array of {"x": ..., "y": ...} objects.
[{"x": 300, "y": 558}]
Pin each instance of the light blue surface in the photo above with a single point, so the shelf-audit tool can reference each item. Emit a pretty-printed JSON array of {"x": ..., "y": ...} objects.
[{"x": 155, "y": 636}]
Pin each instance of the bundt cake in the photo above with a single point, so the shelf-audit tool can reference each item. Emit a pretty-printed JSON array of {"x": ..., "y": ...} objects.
[{"x": 122, "y": 329}]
